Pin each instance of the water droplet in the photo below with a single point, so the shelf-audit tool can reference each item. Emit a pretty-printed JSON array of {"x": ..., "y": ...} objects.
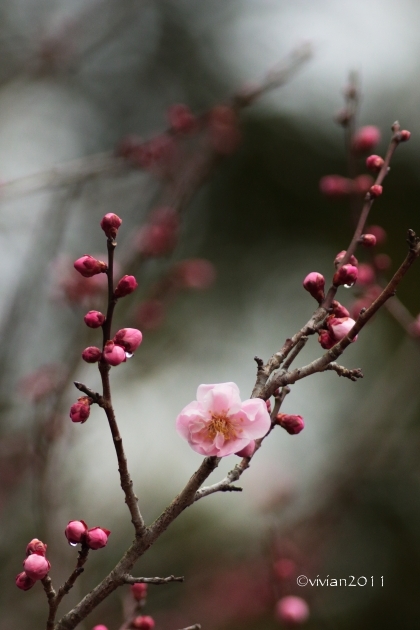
[
  {"x": 73, "y": 544},
  {"x": 349, "y": 286},
  {"x": 129, "y": 355}
]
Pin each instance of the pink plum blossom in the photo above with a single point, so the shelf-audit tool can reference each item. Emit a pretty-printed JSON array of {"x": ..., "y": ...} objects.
[
  {"x": 218, "y": 423},
  {"x": 248, "y": 451}
]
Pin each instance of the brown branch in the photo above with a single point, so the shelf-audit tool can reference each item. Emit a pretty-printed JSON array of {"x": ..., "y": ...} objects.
[
  {"x": 196, "y": 626},
  {"x": 129, "y": 579},
  {"x": 353, "y": 375},
  {"x": 96, "y": 398}
]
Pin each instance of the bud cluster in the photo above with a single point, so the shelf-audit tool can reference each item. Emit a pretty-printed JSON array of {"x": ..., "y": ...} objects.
[
  {"x": 36, "y": 566},
  {"x": 94, "y": 538}
]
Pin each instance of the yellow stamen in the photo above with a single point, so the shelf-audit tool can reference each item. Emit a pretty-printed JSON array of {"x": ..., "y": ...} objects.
[{"x": 220, "y": 423}]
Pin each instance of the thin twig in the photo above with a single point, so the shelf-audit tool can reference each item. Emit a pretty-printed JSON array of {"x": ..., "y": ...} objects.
[
  {"x": 129, "y": 579},
  {"x": 353, "y": 374}
]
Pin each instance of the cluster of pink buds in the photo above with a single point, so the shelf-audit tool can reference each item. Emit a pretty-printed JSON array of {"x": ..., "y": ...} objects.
[
  {"x": 156, "y": 154},
  {"x": 94, "y": 538},
  {"x": 292, "y": 423},
  {"x": 337, "y": 328},
  {"x": 36, "y": 566}
]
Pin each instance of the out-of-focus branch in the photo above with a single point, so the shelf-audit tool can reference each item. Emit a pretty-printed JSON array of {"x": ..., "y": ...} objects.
[{"x": 129, "y": 579}]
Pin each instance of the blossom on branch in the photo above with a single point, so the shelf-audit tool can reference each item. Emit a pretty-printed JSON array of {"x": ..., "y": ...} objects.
[{"x": 218, "y": 423}]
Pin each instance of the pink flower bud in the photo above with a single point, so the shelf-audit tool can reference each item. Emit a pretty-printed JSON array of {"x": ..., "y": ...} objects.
[
  {"x": 110, "y": 224},
  {"x": 314, "y": 283},
  {"x": 378, "y": 232},
  {"x": 75, "y": 531},
  {"x": 181, "y": 118},
  {"x": 36, "y": 546},
  {"x": 195, "y": 273},
  {"x": 150, "y": 314},
  {"x": 368, "y": 240},
  {"x": 335, "y": 186},
  {"x": 100, "y": 627},
  {"x": 80, "y": 410},
  {"x": 268, "y": 403},
  {"x": 97, "y": 537},
  {"x": 347, "y": 274},
  {"x": 366, "y": 138},
  {"x": 129, "y": 339},
  {"x": 248, "y": 451},
  {"x": 337, "y": 260},
  {"x": 375, "y": 191},
  {"x": 292, "y": 424},
  {"x": 292, "y": 611},
  {"x": 361, "y": 184},
  {"x": 374, "y": 163},
  {"x": 382, "y": 262},
  {"x": 404, "y": 135},
  {"x": 89, "y": 266},
  {"x": 24, "y": 582},
  {"x": 36, "y": 567},
  {"x": 125, "y": 286},
  {"x": 143, "y": 623},
  {"x": 91, "y": 354},
  {"x": 94, "y": 319},
  {"x": 284, "y": 568},
  {"x": 114, "y": 354},
  {"x": 326, "y": 339},
  {"x": 366, "y": 274},
  {"x": 340, "y": 326},
  {"x": 139, "y": 591},
  {"x": 339, "y": 310}
]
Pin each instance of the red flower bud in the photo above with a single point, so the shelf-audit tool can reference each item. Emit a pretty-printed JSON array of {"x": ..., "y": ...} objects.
[
  {"x": 36, "y": 567},
  {"x": 335, "y": 186},
  {"x": 314, "y": 283},
  {"x": 340, "y": 326},
  {"x": 181, "y": 118},
  {"x": 375, "y": 191},
  {"x": 91, "y": 354},
  {"x": 129, "y": 339},
  {"x": 24, "y": 582},
  {"x": 75, "y": 531},
  {"x": 368, "y": 240},
  {"x": 293, "y": 424},
  {"x": 366, "y": 138},
  {"x": 339, "y": 310},
  {"x": 80, "y": 410},
  {"x": 292, "y": 611},
  {"x": 143, "y": 623},
  {"x": 374, "y": 163},
  {"x": 347, "y": 274},
  {"x": 114, "y": 354},
  {"x": 36, "y": 546},
  {"x": 125, "y": 286},
  {"x": 326, "y": 339},
  {"x": 378, "y": 232},
  {"x": 139, "y": 591},
  {"x": 100, "y": 627},
  {"x": 94, "y": 319},
  {"x": 97, "y": 537},
  {"x": 110, "y": 224},
  {"x": 337, "y": 260},
  {"x": 405, "y": 135},
  {"x": 247, "y": 451},
  {"x": 89, "y": 266}
]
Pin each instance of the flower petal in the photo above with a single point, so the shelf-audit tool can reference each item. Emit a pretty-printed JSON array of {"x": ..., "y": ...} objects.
[
  {"x": 218, "y": 398},
  {"x": 253, "y": 418}
]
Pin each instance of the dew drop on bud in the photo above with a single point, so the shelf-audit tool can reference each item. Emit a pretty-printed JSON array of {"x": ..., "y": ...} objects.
[
  {"x": 73, "y": 544},
  {"x": 349, "y": 286},
  {"x": 129, "y": 355}
]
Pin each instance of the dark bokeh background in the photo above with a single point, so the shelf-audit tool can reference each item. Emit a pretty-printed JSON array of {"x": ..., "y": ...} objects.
[{"x": 341, "y": 498}]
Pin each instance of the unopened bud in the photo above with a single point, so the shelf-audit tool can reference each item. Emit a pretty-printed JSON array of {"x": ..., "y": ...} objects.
[
  {"x": 366, "y": 138},
  {"x": 110, "y": 224},
  {"x": 114, "y": 354},
  {"x": 374, "y": 163},
  {"x": 377, "y": 231},
  {"x": 340, "y": 256},
  {"x": 293, "y": 424},
  {"x": 366, "y": 274},
  {"x": 139, "y": 591},
  {"x": 247, "y": 451},
  {"x": 335, "y": 186},
  {"x": 292, "y": 611},
  {"x": 368, "y": 240},
  {"x": 36, "y": 567},
  {"x": 36, "y": 546},
  {"x": 405, "y": 135},
  {"x": 94, "y": 319},
  {"x": 347, "y": 274},
  {"x": 92, "y": 354},
  {"x": 314, "y": 283},
  {"x": 375, "y": 191},
  {"x": 125, "y": 286},
  {"x": 75, "y": 531},
  {"x": 89, "y": 266},
  {"x": 24, "y": 582},
  {"x": 80, "y": 411},
  {"x": 326, "y": 340},
  {"x": 340, "y": 326},
  {"x": 143, "y": 622},
  {"x": 129, "y": 339},
  {"x": 97, "y": 537},
  {"x": 339, "y": 310}
]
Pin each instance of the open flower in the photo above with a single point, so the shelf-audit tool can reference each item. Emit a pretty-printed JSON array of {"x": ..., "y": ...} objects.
[{"x": 218, "y": 423}]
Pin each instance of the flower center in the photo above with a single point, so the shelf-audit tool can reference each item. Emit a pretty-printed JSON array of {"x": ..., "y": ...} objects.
[{"x": 220, "y": 424}]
